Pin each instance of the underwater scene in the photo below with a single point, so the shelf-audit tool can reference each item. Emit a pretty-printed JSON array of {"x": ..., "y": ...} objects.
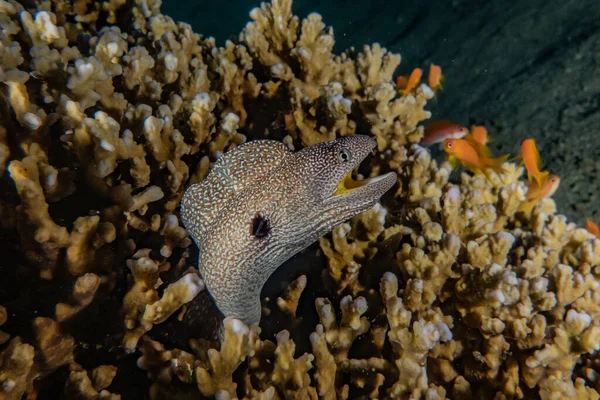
[{"x": 299, "y": 199}]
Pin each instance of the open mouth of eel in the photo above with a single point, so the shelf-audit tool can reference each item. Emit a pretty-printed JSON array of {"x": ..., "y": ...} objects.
[
  {"x": 374, "y": 185},
  {"x": 349, "y": 184}
]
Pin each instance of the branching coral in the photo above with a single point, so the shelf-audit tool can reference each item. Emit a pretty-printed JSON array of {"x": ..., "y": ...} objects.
[
  {"x": 82, "y": 385},
  {"x": 162, "y": 365},
  {"x": 327, "y": 88},
  {"x": 346, "y": 247},
  {"x": 88, "y": 235},
  {"x": 145, "y": 273},
  {"x": 288, "y": 303},
  {"x": 339, "y": 336},
  {"x": 83, "y": 293},
  {"x": 290, "y": 374},
  {"x": 445, "y": 289},
  {"x": 411, "y": 342},
  {"x": 216, "y": 376},
  {"x": 41, "y": 237},
  {"x": 325, "y": 365},
  {"x": 174, "y": 296},
  {"x": 17, "y": 360}
]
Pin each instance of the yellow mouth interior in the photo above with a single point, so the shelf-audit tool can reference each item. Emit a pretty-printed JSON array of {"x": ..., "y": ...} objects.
[{"x": 348, "y": 184}]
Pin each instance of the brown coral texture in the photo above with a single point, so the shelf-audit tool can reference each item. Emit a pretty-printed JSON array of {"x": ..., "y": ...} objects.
[{"x": 110, "y": 110}]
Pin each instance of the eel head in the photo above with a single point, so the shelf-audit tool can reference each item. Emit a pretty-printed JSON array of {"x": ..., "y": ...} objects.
[{"x": 328, "y": 171}]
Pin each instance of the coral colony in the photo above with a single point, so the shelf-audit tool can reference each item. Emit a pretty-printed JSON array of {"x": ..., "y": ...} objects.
[{"x": 445, "y": 288}]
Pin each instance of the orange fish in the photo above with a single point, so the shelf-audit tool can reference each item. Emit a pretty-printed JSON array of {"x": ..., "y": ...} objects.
[
  {"x": 435, "y": 77},
  {"x": 401, "y": 82},
  {"x": 471, "y": 154},
  {"x": 532, "y": 160},
  {"x": 537, "y": 192},
  {"x": 406, "y": 85},
  {"x": 592, "y": 228},
  {"x": 438, "y": 131},
  {"x": 480, "y": 134}
]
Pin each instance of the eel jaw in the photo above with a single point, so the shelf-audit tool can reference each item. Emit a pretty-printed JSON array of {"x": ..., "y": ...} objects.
[
  {"x": 348, "y": 185},
  {"x": 364, "y": 189}
]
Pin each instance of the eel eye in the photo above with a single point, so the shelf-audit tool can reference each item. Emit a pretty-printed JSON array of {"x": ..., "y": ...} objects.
[
  {"x": 344, "y": 155},
  {"x": 261, "y": 226}
]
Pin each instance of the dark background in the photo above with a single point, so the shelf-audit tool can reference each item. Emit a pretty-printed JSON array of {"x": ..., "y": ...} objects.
[{"x": 526, "y": 68}]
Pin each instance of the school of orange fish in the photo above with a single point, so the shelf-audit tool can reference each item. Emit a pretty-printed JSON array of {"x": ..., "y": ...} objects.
[{"x": 469, "y": 147}]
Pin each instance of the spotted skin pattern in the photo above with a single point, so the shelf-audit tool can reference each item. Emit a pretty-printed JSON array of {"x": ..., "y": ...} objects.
[{"x": 262, "y": 203}]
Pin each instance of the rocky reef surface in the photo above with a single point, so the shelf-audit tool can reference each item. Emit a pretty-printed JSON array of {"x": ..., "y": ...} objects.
[{"x": 109, "y": 109}]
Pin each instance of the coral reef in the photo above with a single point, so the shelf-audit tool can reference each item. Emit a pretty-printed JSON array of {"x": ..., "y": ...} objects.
[{"x": 110, "y": 109}]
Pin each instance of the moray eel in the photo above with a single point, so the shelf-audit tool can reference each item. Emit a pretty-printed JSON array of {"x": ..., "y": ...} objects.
[{"x": 261, "y": 203}]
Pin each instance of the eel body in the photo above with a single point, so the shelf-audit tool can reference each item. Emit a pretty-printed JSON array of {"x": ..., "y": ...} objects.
[{"x": 261, "y": 203}]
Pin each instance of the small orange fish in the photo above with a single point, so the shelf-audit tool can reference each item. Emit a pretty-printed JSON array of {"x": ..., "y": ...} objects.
[
  {"x": 592, "y": 228},
  {"x": 438, "y": 131},
  {"x": 532, "y": 160},
  {"x": 472, "y": 155},
  {"x": 401, "y": 82},
  {"x": 480, "y": 134},
  {"x": 435, "y": 77},
  {"x": 406, "y": 85},
  {"x": 537, "y": 192}
]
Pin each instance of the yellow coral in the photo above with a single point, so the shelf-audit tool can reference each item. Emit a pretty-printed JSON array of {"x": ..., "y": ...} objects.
[
  {"x": 102, "y": 131},
  {"x": 216, "y": 376},
  {"x": 175, "y": 295}
]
